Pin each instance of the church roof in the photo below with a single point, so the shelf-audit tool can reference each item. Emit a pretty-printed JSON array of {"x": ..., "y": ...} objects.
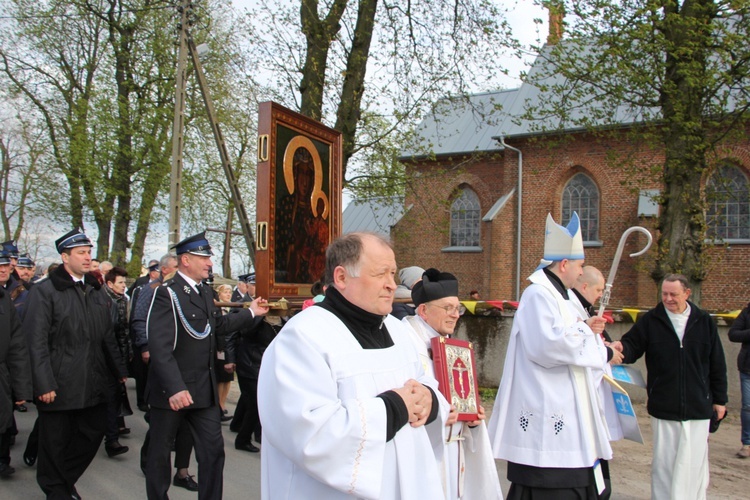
[
  {"x": 461, "y": 125},
  {"x": 582, "y": 106},
  {"x": 376, "y": 215},
  {"x": 470, "y": 124}
]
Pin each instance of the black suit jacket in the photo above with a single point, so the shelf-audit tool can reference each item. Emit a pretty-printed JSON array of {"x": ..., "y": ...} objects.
[
  {"x": 238, "y": 297},
  {"x": 140, "y": 281},
  {"x": 179, "y": 361}
]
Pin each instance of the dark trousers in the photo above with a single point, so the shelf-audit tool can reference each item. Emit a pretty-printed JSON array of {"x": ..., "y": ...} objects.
[
  {"x": 68, "y": 442},
  {"x": 140, "y": 374},
  {"x": 250, "y": 417},
  {"x": 205, "y": 426},
  {"x": 114, "y": 404},
  {"x": 239, "y": 412},
  {"x": 183, "y": 446},
  {"x": 5, "y": 438},
  {"x": 32, "y": 444}
]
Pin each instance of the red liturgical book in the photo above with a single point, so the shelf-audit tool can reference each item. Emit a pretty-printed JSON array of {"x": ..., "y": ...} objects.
[{"x": 456, "y": 374}]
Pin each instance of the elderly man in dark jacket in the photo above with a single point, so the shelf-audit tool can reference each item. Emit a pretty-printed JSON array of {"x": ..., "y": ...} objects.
[
  {"x": 15, "y": 374},
  {"x": 687, "y": 384},
  {"x": 73, "y": 355}
]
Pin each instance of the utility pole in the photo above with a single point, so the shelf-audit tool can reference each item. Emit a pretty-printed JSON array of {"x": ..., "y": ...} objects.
[
  {"x": 188, "y": 45},
  {"x": 234, "y": 189},
  {"x": 175, "y": 187},
  {"x": 226, "y": 268}
]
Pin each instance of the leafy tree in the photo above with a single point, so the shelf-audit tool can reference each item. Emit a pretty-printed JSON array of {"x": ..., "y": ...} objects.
[
  {"x": 371, "y": 68},
  {"x": 100, "y": 74},
  {"x": 23, "y": 180},
  {"x": 678, "y": 70},
  {"x": 227, "y": 68}
]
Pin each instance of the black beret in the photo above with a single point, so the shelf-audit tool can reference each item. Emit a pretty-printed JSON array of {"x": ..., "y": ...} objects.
[{"x": 434, "y": 285}]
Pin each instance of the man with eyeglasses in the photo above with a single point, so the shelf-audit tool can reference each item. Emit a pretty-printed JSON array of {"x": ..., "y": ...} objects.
[{"x": 467, "y": 464}]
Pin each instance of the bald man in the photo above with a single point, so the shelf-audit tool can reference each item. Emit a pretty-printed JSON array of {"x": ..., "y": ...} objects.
[{"x": 589, "y": 288}]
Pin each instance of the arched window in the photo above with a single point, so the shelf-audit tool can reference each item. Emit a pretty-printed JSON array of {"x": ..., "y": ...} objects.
[
  {"x": 728, "y": 200},
  {"x": 465, "y": 219},
  {"x": 581, "y": 195}
]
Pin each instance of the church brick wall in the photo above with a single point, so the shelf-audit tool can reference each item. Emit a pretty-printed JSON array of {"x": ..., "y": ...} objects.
[{"x": 422, "y": 234}]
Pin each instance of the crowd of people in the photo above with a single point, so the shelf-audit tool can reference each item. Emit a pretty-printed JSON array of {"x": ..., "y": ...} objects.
[{"x": 341, "y": 399}]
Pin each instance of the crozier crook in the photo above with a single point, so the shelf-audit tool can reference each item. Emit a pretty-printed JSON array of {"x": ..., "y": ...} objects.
[{"x": 604, "y": 301}]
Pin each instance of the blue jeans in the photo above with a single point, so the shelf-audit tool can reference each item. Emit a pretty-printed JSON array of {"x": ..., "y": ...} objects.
[{"x": 745, "y": 414}]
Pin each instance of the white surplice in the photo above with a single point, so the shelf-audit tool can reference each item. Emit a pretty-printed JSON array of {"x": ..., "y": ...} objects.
[
  {"x": 324, "y": 428},
  {"x": 605, "y": 390},
  {"x": 468, "y": 468},
  {"x": 548, "y": 412}
]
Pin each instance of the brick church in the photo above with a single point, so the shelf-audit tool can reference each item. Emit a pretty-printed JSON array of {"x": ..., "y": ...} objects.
[{"x": 480, "y": 178}]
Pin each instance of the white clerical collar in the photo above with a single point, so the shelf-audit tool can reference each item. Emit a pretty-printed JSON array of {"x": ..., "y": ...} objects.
[
  {"x": 190, "y": 281},
  {"x": 427, "y": 332},
  {"x": 683, "y": 314},
  {"x": 430, "y": 330},
  {"x": 679, "y": 321}
]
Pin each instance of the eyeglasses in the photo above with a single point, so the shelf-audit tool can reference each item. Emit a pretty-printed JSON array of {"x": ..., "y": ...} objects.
[{"x": 460, "y": 309}]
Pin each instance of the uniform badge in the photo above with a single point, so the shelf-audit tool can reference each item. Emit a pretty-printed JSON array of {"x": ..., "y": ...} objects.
[{"x": 187, "y": 289}]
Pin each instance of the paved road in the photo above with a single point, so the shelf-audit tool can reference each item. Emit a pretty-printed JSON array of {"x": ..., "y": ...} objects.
[{"x": 121, "y": 477}]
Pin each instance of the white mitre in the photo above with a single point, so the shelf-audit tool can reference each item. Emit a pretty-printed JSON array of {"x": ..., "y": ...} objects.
[{"x": 562, "y": 242}]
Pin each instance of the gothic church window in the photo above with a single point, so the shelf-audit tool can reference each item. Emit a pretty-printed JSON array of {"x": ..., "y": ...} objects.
[
  {"x": 465, "y": 219},
  {"x": 728, "y": 200},
  {"x": 582, "y": 196}
]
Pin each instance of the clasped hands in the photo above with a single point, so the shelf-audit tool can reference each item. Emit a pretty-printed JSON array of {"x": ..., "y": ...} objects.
[
  {"x": 418, "y": 400},
  {"x": 597, "y": 324}
]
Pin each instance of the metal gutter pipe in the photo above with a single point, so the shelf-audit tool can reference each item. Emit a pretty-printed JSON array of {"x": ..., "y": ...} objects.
[{"x": 501, "y": 139}]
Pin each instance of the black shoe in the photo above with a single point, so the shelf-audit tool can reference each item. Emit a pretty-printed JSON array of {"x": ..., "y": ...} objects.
[
  {"x": 6, "y": 470},
  {"x": 224, "y": 411},
  {"x": 74, "y": 493},
  {"x": 114, "y": 448},
  {"x": 29, "y": 459},
  {"x": 21, "y": 408},
  {"x": 186, "y": 482},
  {"x": 226, "y": 418},
  {"x": 246, "y": 447},
  {"x": 123, "y": 430},
  {"x": 143, "y": 407}
]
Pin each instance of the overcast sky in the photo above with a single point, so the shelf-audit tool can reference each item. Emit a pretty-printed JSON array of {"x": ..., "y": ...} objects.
[{"x": 521, "y": 15}]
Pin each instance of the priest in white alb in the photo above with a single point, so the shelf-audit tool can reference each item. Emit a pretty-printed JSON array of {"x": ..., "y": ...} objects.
[
  {"x": 343, "y": 397},
  {"x": 548, "y": 420},
  {"x": 468, "y": 468}
]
